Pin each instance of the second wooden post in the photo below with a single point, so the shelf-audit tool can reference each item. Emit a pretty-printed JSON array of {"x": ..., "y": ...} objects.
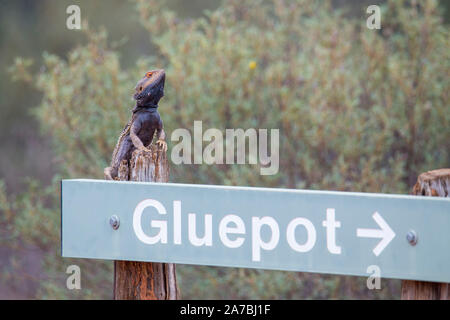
[{"x": 434, "y": 183}]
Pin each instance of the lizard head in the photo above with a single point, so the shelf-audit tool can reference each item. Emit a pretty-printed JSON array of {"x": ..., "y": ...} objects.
[{"x": 150, "y": 89}]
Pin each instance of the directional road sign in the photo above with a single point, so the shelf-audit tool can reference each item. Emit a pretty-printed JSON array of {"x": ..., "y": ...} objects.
[{"x": 406, "y": 237}]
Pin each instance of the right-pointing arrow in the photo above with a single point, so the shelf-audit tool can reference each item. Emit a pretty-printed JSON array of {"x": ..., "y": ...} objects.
[{"x": 385, "y": 233}]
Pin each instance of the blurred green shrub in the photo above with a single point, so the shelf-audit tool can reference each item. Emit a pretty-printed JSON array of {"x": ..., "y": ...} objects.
[{"x": 357, "y": 109}]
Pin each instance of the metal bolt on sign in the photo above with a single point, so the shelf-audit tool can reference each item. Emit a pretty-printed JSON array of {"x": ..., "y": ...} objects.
[
  {"x": 114, "y": 221},
  {"x": 411, "y": 236}
]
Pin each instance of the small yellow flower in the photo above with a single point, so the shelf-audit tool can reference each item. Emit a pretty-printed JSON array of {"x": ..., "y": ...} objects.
[{"x": 252, "y": 65}]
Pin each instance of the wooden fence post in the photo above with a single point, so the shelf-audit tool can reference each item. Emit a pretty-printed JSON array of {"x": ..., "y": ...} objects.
[
  {"x": 434, "y": 183},
  {"x": 145, "y": 280}
]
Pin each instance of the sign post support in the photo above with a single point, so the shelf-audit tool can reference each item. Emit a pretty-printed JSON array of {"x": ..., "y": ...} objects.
[
  {"x": 135, "y": 280},
  {"x": 434, "y": 183}
]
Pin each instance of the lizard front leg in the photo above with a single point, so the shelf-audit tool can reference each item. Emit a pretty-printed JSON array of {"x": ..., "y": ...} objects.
[
  {"x": 137, "y": 142},
  {"x": 161, "y": 142}
]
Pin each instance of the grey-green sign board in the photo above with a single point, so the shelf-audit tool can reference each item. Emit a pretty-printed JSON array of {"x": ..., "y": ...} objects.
[{"x": 406, "y": 237}]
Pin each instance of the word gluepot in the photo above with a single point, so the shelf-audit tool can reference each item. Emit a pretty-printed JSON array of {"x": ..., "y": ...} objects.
[{"x": 232, "y": 230}]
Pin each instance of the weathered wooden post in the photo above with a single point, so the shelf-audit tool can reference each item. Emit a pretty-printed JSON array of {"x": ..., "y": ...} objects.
[
  {"x": 434, "y": 183},
  {"x": 145, "y": 280}
]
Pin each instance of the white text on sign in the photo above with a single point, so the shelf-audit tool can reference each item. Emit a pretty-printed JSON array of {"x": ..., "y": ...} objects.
[{"x": 232, "y": 230}]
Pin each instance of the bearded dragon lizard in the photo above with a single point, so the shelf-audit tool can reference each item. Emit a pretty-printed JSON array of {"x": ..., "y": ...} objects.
[{"x": 145, "y": 121}]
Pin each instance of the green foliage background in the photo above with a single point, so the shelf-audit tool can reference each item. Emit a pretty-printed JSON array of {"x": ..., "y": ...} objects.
[{"x": 357, "y": 109}]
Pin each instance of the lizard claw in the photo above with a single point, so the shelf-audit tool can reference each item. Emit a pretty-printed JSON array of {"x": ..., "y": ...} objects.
[
  {"x": 108, "y": 175},
  {"x": 162, "y": 144},
  {"x": 144, "y": 149}
]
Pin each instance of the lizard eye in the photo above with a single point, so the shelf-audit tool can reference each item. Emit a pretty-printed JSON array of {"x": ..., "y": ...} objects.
[{"x": 149, "y": 74}]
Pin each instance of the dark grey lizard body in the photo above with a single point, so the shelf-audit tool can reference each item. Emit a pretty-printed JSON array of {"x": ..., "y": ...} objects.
[{"x": 145, "y": 121}]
